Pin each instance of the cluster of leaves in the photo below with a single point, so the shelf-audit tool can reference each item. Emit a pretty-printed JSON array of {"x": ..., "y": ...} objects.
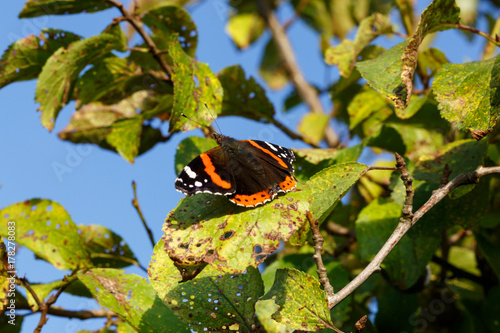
[{"x": 203, "y": 273}]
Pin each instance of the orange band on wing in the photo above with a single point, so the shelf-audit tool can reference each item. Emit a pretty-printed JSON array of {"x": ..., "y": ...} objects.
[
  {"x": 288, "y": 184},
  {"x": 210, "y": 170},
  {"x": 280, "y": 161},
  {"x": 253, "y": 199}
]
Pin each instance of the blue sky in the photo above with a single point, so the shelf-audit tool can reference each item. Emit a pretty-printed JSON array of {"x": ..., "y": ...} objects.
[{"x": 98, "y": 190}]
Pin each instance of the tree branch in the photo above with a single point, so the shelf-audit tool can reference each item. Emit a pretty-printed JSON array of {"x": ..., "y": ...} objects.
[
  {"x": 403, "y": 227},
  {"x": 318, "y": 249},
  {"x": 304, "y": 89},
  {"x": 137, "y": 24},
  {"x": 135, "y": 203},
  {"x": 291, "y": 134},
  {"x": 82, "y": 314}
]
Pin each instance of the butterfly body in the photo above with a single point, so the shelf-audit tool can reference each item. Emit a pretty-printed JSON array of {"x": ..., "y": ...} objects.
[{"x": 248, "y": 172}]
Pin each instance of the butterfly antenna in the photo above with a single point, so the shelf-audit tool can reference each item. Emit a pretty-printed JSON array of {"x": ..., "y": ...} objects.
[
  {"x": 211, "y": 114},
  {"x": 194, "y": 121}
]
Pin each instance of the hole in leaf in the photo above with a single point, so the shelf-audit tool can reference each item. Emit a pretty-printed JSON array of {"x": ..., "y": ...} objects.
[
  {"x": 257, "y": 249},
  {"x": 49, "y": 208}
]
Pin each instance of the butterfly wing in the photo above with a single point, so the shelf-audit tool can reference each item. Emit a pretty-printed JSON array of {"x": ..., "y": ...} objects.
[
  {"x": 261, "y": 170},
  {"x": 207, "y": 173}
]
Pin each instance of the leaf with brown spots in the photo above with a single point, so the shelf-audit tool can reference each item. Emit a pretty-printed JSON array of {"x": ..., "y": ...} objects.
[
  {"x": 167, "y": 20},
  {"x": 34, "y": 8},
  {"x": 345, "y": 54},
  {"x": 469, "y": 94},
  {"x": 437, "y": 16},
  {"x": 243, "y": 97},
  {"x": 208, "y": 228},
  {"x": 24, "y": 59},
  {"x": 45, "y": 227},
  {"x": 106, "y": 248},
  {"x": 211, "y": 301},
  {"x": 302, "y": 302},
  {"x": 195, "y": 86},
  {"x": 133, "y": 299},
  {"x": 59, "y": 74}
]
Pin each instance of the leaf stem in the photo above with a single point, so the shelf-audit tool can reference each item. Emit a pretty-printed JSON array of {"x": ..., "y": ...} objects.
[
  {"x": 403, "y": 227},
  {"x": 495, "y": 40},
  {"x": 137, "y": 24},
  {"x": 292, "y": 134},
  {"x": 135, "y": 203}
]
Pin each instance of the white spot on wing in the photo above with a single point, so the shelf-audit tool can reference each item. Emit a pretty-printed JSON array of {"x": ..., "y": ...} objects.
[
  {"x": 197, "y": 184},
  {"x": 190, "y": 172},
  {"x": 271, "y": 146}
]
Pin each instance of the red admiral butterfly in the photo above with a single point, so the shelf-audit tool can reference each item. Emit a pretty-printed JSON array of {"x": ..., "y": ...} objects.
[{"x": 248, "y": 172}]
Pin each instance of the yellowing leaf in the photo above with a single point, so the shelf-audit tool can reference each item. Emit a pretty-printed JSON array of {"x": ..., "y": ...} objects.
[
  {"x": 313, "y": 126},
  {"x": 245, "y": 28}
]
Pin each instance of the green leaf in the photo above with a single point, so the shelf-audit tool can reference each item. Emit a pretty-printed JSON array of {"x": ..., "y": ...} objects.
[
  {"x": 302, "y": 302},
  {"x": 44, "y": 227},
  {"x": 313, "y": 126},
  {"x": 490, "y": 250},
  {"x": 107, "y": 249},
  {"x": 60, "y": 73},
  {"x": 118, "y": 127},
  {"x": 463, "y": 211},
  {"x": 460, "y": 156},
  {"x": 194, "y": 86},
  {"x": 264, "y": 309},
  {"x": 208, "y": 228},
  {"x": 132, "y": 298},
  {"x": 384, "y": 74},
  {"x": 407, "y": 261},
  {"x": 113, "y": 79},
  {"x": 7, "y": 327},
  {"x": 364, "y": 104},
  {"x": 272, "y": 68},
  {"x": 439, "y": 15},
  {"x": 345, "y": 54},
  {"x": 245, "y": 28},
  {"x": 430, "y": 62},
  {"x": 167, "y": 20},
  {"x": 211, "y": 301},
  {"x": 243, "y": 97},
  {"x": 125, "y": 137},
  {"x": 395, "y": 307},
  {"x": 415, "y": 104},
  {"x": 34, "y": 8},
  {"x": 189, "y": 148},
  {"x": 468, "y": 94},
  {"x": 24, "y": 59},
  {"x": 491, "y": 308},
  {"x": 310, "y": 161}
]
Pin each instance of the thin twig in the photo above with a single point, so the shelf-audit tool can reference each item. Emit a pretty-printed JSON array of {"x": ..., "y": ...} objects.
[
  {"x": 381, "y": 168},
  {"x": 82, "y": 314},
  {"x": 135, "y": 203},
  {"x": 339, "y": 230},
  {"x": 495, "y": 40},
  {"x": 292, "y": 134},
  {"x": 403, "y": 227},
  {"x": 318, "y": 249},
  {"x": 304, "y": 89},
  {"x": 137, "y": 24}
]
